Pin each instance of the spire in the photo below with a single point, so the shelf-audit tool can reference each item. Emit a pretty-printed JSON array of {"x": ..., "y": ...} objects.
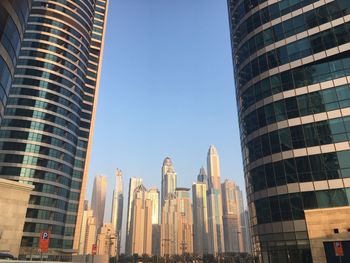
[
  {"x": 202, "y": 176},
  {"x": 167, "y": 162},
  {"x": 212, "y": 150}
]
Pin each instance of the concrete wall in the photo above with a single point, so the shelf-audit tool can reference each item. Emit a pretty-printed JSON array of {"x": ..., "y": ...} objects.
[
  {"x": 320, "y": 226},
  {"x": 14, "y": 199}
]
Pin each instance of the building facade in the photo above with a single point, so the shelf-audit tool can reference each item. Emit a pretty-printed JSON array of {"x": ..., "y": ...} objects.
[
  {"x": 291, "y": 65},
  {"x": 106, "y": 241},
  {"x": 46, "y": 129},
  {"x": 154, "y": 195},
  {"x": 98, "y": 200},
  {"x": 233, "y": 217},
  {"x": 133, "y": 184},
  {"x": 87, "y": 231},
  {"x": 177, "y": 224},
  {"x": 117, "y": 207},
  {"x": 200, "y": 218},
  {"x": 141, "y": 222},
  {"x": 214, "y": 199},
  {"x": 168, "y": 179},
  {"x": 13, "y": 19}
]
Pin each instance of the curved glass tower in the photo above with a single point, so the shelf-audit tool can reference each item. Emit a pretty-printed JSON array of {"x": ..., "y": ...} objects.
[
  {"x": 13, "y": 18},
  {"x": 46, "y": 130},
  {"x": 292, "y": 77}
]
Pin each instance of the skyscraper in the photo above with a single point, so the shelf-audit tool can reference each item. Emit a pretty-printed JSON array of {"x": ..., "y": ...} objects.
[
  {"x": 98, "y": 200},
  {"x": 133, "y": 184},
  {"x": 200, "y": 218},
  {"x": 233, "y": 213},
  {"x": 168, "y": 179},
  {"x": 117, "y": 207},
  {"x": 177, "y": 224},
  {"x": 47, "y": 126},
  {"x": 216, "y": 235},
  {"x": 13, "y": 20},
  {"x": 154, "y": 195},
  {"x": 88, "y": 231},
  {"x": 141, "y": 222},
  {"x": 291, "y": 65}
]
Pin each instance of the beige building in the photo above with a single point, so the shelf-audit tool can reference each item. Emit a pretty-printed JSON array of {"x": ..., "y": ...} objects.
[
  {"x": 14, "y": 197},
  {"x": 88, "y": 231},
  {"x": 106, "y": 241},
  {"x": 133, "y": 184},
  {"x": 200, "y": 218},
  {"x": 177, "y": 224},
  {"x": 233, "y": 217},
  {"x": 155, "y": 197},
  {"x": 216, "y": 233},
  {"x": 141, "y": 222},
  {"x": 326, "y": 225},
  {"x": 98, "y": 200}
]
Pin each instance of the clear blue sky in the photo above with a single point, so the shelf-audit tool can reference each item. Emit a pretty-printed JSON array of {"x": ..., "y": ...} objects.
[{"x": 166, "y": 90}]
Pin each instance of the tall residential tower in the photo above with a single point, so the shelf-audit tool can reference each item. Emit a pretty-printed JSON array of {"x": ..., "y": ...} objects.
[
  {"x": 214, "y": 199},
  {"x": 168, "y": 179},
  {"x": 200, "y": 216},
  {"x": 117, "y": 207},
  {"x": 291, "y": 65},
  {"x": 133, "y": 184},
  {"x": 98, "y": 200},
  {"x": 46, "y": 130}
]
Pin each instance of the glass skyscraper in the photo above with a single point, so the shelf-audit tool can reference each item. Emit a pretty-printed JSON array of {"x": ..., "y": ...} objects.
[
  {"x": 292, "y": 77},
  {"x": 47, "y": 125},
  {"x": 13, "y": 18}
]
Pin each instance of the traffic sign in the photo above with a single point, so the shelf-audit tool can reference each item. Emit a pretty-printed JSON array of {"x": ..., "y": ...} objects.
[
  {"x": 338, "y": 248},
  {"x": 44, "y": 241}
]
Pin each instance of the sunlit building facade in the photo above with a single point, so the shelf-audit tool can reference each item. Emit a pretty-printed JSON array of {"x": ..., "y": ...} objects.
[
  {"x": 291, "y": 65},
  {"x": 88, "y": 231},
  {"x": 46, "y": 130},
  {"x": 117, "y": 207},
  {"x": 141, "y": 222},
  {"x": 233, "y": 217},
  {"x": 177, "y": 224},
  {"x": 154, "y": 195},
  {"x": 168, "y": 179},
  {"x": 133, "y": 184},
  {"x": 214, "y": 199},
  {"x": 200, "y": 218},
  {"x": 98, "y": 200}
]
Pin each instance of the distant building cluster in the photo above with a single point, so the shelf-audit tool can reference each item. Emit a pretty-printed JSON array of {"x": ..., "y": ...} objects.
[{"x": 171, "y": 222}]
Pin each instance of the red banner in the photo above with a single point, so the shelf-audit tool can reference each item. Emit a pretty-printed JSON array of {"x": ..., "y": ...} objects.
[{"x": 44, "y": 241}]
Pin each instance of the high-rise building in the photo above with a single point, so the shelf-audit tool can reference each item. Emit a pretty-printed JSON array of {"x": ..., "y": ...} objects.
[
  {"x": 46, "y": 130},
  {"x": 117, "y": 207},
  {"x": 13, "y": 20},
  {"x": 291, "y": 65},
  {"x": 168, "y": 179},
  {"x": 98, "y": 200},
  {"x": 177, "y": 224},
  {"x": 214, "y": 199},
  {"x": 233, "y": 213},
  {"x": 106, "y": 241},
  {"x": 88, "y": 231},
  {"x": 154, "y": 195},
  {"x": 141, "y": 222},
  {"x": 133, "y": 184},
  {"x": 200, "y": 218}
]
